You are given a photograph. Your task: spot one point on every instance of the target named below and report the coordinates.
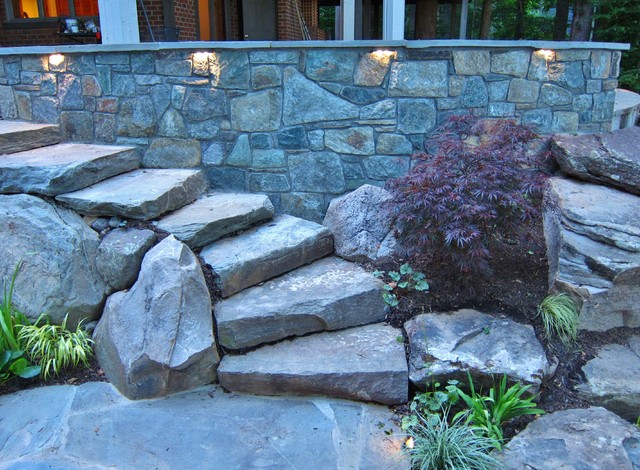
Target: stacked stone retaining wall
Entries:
(303, 122)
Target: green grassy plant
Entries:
(489, 413)
(434, 443)
(401, 282)
(55, 347)
(12, 360)
(560, 317)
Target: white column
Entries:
(348, 8)
(393, 20)
(119, 21)
(464, 13)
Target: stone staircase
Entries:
(294, 319)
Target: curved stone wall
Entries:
(303, 122)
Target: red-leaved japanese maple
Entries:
(480, 181)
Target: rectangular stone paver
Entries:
(142, 194)
(63, 168)
(267, 251)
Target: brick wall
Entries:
(186, 14)
(156, 20)
(289, 28)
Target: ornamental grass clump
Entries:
(434, 443)
(560, 318)
(479, 183)
(55, 347)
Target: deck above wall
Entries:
(303, 122)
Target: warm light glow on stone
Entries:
(56, 59)
(546, 54)
(383, 56)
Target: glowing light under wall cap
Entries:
(383, 56)
(201, 56)
(546, 54)
(56, 59)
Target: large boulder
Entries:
(446, 346)
(157, 338)
(593, 246)
(58, 275)
(575, 439)
(362, 226)
(612, 159)
(611, 379)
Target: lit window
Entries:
(38, 9)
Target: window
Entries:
(39, 9)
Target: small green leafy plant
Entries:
(400, 282)
(434, 443)
(431, 402)
(12, 360)
(55, 347)
(560, 317)
(488, 413)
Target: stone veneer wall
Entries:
(303, 122)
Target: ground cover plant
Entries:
(560, 317)
(30, 349)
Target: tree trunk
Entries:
(519, 34)
(562, 17)
(485, 26)
(426, 18)
(582, 18)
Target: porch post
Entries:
(119, 21)
(463, 19)
(348, 8)
(393, 20)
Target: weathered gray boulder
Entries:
(267, 251)
(364, 363)
(58, 274)
(611, 380)
(329, 294)
(215, 215)
(362, 226)
(445, 346)
(612, 159)
(157, 338)
(592, 438)
(120, 255)
(593, 246)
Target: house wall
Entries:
(303, 122)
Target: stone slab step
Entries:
(364, 363)
(63, 168)
(267, 251)
(329, 294)
(16, 136)
(141, 194)
(215, 215)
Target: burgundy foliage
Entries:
(480, 181)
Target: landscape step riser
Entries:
(63, 168)
(329, 294)
(21, 136)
